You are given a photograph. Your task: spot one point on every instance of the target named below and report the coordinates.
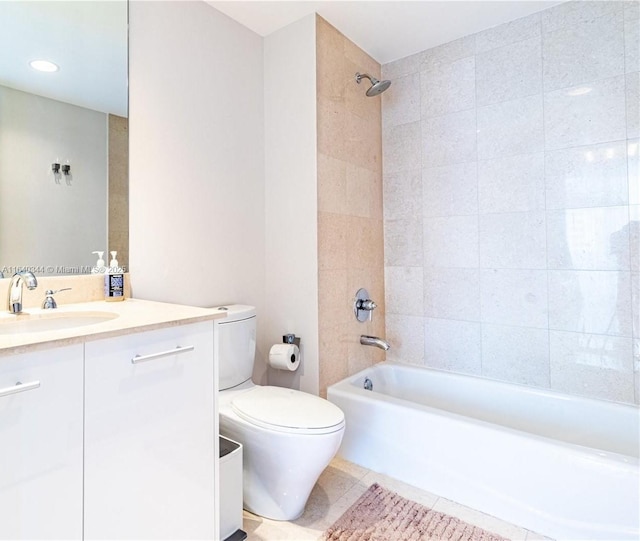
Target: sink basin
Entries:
(29, 323)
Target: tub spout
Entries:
(374, 341)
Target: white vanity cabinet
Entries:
(150, 435)
(41, 444)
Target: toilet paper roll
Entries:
(284, 357)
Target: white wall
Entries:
(45, 225)
(196, 146)
(291, 198)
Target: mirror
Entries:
(63, 135)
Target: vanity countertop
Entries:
(130, 316)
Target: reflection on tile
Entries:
(452, 345)
(509, 33)
(401, 146)
(589, 176)
(450, 190)
(511, 184)
(509, 72)
(403, 290)
(452, 293)
(584, 115)
(403, 242)
(583, 52)
(449, 139)
(402, 195)
(401, 103)
(513, 240)
(633, 104)
(451, 242)
(516, 354)
(590, 302)
(406, 336)
(511, 127)
(514, 297)
(448, 88)
(588, 239)
(592, 365)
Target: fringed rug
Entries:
(382, 515)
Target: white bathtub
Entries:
(563, 466)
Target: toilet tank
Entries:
(236, 345)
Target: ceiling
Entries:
(386, 30)
(87, 40)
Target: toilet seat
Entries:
(287, 410)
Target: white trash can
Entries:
(231, 491)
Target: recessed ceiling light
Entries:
(44, 65)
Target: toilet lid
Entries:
(278, 408)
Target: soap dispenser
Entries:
(113, 264)
(100, 267)
(114, 281)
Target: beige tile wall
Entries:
(350, 227)
(119, 188)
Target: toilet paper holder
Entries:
(291, 339)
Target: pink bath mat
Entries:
(382, 515)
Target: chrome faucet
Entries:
(14, 298)
(374, 341)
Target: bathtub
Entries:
(560, 465)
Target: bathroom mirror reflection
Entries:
(63, 135)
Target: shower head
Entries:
(377, 87)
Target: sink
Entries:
(41, 322)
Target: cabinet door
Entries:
(150, 443)
(41, 445)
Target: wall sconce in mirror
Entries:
(59, 170)
(55, 167)
(66, 171)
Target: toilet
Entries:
(288, 436)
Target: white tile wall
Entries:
(451, 241)
(510, 127)
(587, 176)
(450, 190)
(584, 51)
(512, 202)
(585, 114)
(516, 354)
(509, 72)
(449, 139)
(512, 184)
(451, 293)
(514, 297)
(453, 345)
(449, 88)
(513, 240)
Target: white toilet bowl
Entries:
(288, 436)
(281, 463)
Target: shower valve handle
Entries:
(365, 304)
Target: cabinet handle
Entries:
(153, 356)
(19, 388)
